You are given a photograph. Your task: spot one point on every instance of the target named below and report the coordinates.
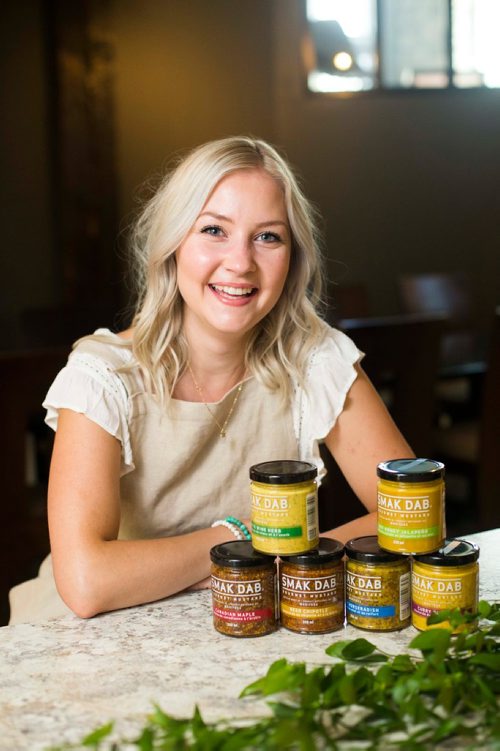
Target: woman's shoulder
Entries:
(334, 346)
(111, 349)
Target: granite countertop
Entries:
(65, 677)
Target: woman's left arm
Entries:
(364, 435)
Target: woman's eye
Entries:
(269, 237)
(212, 230)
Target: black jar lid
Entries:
(455, 552)
(327, 551)
(411, 470)
(367, 550)
(239, 554)
(283, 472)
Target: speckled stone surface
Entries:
(63, 678)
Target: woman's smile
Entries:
(233, 295)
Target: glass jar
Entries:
(377, 586)
(243, 585)
(284, 507)
(445, 580)
(312, 589)
(411, 517)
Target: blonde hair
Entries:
(280, 344)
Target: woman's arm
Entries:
(95, 572)
(364, 435)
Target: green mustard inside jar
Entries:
(284, 507)
(312, 589)
(244, 590)
(410, 505)
(378, 585)
(445, 580)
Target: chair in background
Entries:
(463, 345)
(401, 359)
(24, 454)
(470, 451)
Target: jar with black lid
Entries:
(243, 583)
(378, 586)
(284, 507)
(312, 589)
(445, 580)
(410, 505)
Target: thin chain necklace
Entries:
(223, 427)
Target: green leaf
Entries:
(403, 664)
(347, 690)
(356, 650)
(490, 661)
(94, 738)
(281, 676)
(435, 641)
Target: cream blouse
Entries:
(89, 385)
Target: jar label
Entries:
(371, 611)
(284, 518)
(433, 591)
(378, 602)
(410, 519)
(246, 616)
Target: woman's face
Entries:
(232, 266)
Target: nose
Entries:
(240, 256)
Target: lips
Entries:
(228, 291)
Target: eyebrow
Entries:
(223, 217)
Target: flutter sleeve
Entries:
(331, 373)
(90, 386)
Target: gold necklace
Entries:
(223, 427)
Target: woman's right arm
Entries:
(93, 570)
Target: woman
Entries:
(227, 364)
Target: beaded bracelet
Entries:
(231, 527)
(241, 525)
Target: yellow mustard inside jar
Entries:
(284, 507)
(377, 586)
(445, 580)
(410, 505)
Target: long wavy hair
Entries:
(278, 348)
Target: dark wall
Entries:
(27, 259)
(404, 181)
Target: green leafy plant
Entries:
(443, 693)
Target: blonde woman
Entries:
(227, 364)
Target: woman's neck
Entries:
(214, 368)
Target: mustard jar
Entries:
(445, 580)
(312, 589)
(284, 507)
(377, 586)
(410, 505)
(244, 586)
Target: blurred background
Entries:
(97, 96)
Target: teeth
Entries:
(233, 290)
